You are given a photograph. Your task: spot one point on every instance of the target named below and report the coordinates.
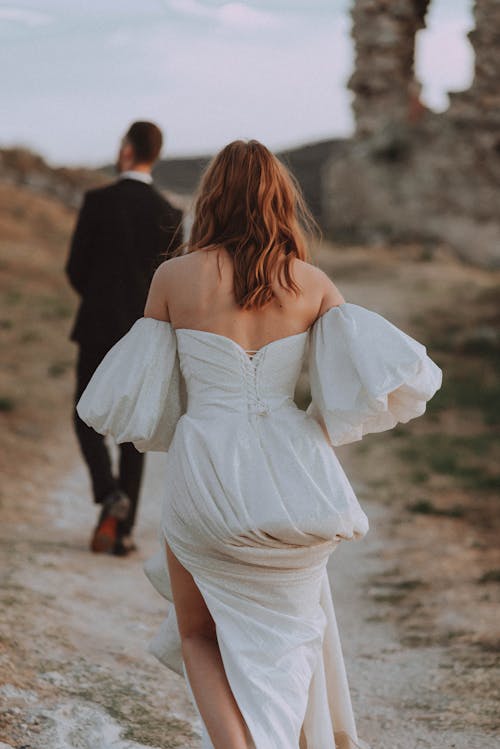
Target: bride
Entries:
(256, 500)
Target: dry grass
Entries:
(36, 307)
(439, 475)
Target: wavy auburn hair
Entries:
(249, 203)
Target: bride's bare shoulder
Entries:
(173, 270)
(174, 264)
(169, 279)
(182, 264)
(317, 285)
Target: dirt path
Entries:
(403, 697)
(80, 677)
(74, 627)
(79, 624)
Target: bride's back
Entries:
(200, 296)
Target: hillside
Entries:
(23, 168)
(178, 177)
(37, 215)
(181, 175)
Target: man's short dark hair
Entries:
(146, 139)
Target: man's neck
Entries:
(142, 168)
(135, 174)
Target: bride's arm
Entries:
(156, 303)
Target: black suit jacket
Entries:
(121, 233)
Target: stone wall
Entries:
(410, 174)
(384, 41)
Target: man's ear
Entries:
(128, 155)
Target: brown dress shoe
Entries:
(115, 508)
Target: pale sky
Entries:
(75, 73)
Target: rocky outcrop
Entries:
(409, 173)
(19, 166)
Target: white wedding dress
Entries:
(256, 499)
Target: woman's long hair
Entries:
(249, 203)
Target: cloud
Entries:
(233, 15)
(120, 38)
(241, 15)
(24, 16)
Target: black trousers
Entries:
(96, 453)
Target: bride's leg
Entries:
(203, 662)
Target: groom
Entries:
(121, 233)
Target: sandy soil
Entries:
(420, 632)
(75, 627)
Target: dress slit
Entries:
(266, 712)
(206, 741)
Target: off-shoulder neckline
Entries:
(250, 353)
(238, 345)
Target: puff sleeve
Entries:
(366, 375)
(136, 393)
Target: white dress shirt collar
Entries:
(139, 176)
